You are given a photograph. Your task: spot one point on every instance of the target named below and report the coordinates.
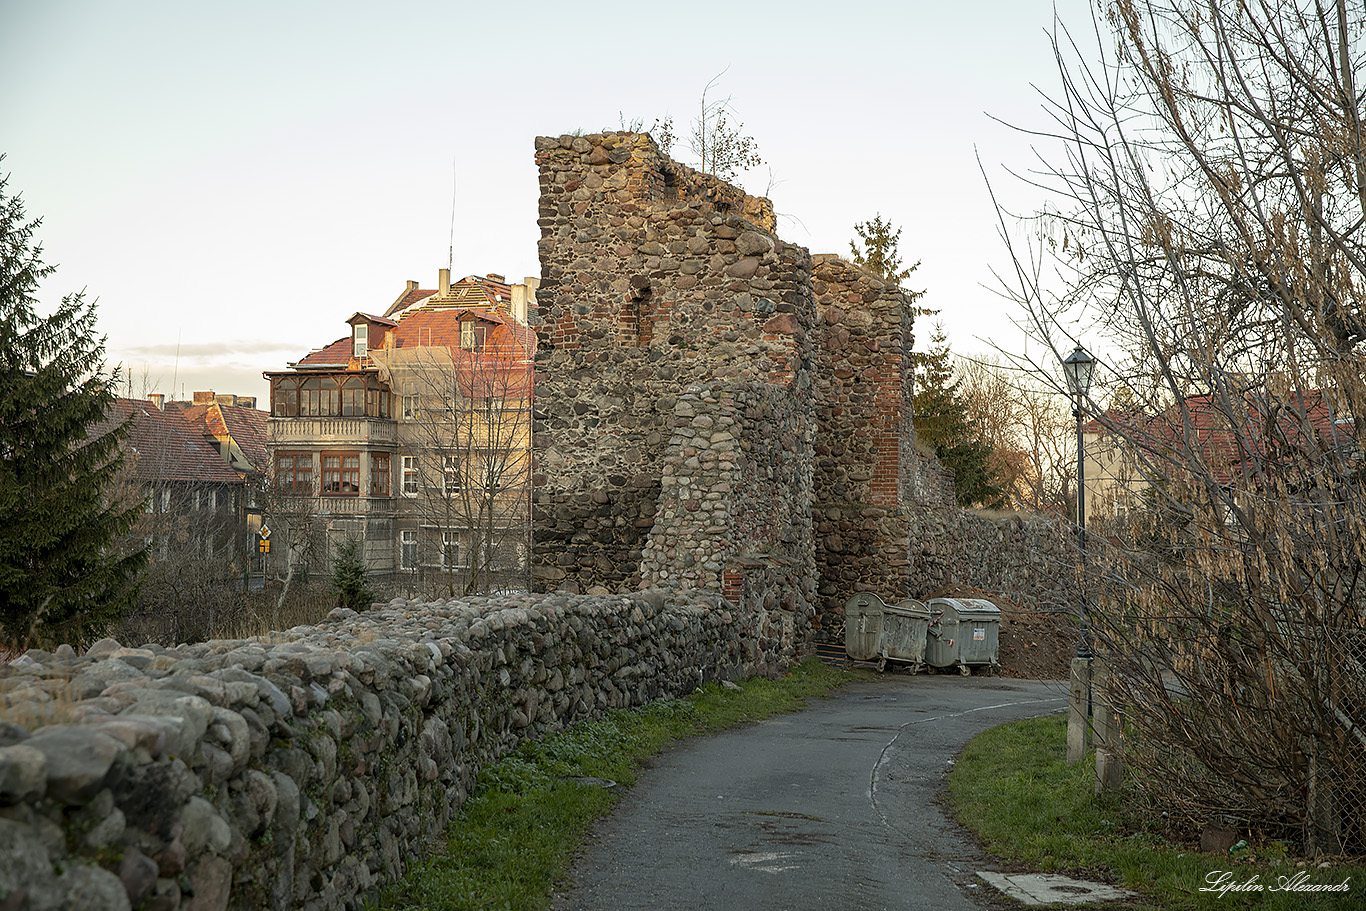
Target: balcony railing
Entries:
(333, 431)
(355, 505)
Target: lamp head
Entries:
(1079, 367)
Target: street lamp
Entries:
(1079, 367)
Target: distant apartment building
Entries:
(411, 434)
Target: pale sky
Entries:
(233, 180)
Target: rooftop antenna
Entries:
(450, 251)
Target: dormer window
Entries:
(467, 335)
(360, 335)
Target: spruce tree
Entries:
(941, 421)
(879, 254)
(67, 566)
(348, 577)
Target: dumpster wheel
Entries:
(965, 670)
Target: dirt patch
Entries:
(1036, 645)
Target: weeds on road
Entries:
(517, 834)
(1013, 787)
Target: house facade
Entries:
(1240, 441)
(410, 434)
(197, 508)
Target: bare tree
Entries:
(1028, 428)
(297, 539)
(466, 426)
(722, 149)
(1206, 234)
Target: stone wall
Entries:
(654, 278)
(734, 513)
(862, 389)
(1030, 560)
(300, 773)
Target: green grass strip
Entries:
(1014, 789)
(518, 832)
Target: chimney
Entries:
(445, 284)
(203, 398)
(158, 399)
(524, 298)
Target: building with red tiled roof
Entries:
(237, 432)
(1237, 442)
(196, 505)
(412, 433)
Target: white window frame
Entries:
(412, 403)
(467, 334)
(450, 550)
(407, 558)
(452, 482)
(412, 476)
(360, 339)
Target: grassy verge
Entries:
(1014, 788)
(517, 834)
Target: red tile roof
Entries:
(437, 323)
(339, 352)
(244, 426)
(165, 446)
(1228, 444)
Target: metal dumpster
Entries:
(863, 626)
(904, 627)
(963, 632)
(875, 631)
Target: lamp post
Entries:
(1079, 367)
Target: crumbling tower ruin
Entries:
(709, 412)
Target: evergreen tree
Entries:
(880, 256)
(67, 568)
(941, 421)
(348, 577)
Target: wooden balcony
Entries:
(332, 432)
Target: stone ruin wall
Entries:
(863, 405)
(270, 774)
(734, 510)
(1030, 560)
(658, 282)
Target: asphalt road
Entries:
(832, 807)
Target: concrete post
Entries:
(1322, 833)
(1109, 735)
(1079, 710)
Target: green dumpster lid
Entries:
(910, 606)
(966, 608)
(864, 602)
